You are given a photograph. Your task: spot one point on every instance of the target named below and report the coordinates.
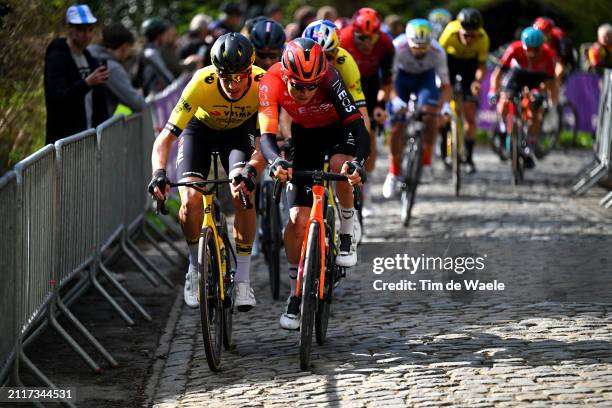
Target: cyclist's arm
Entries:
(495, 80)
(553, 90)
(268, 117)
(161, 149)
(191, 98)
(386, 64)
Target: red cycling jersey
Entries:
(381, 56)
(516, 57)
(331, 102)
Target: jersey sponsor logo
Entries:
(215, 113)
(341, 60)
(315, 109)
(182, 105)
(210, 79)
(343, 96)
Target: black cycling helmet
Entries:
(470, 19)
(232, 53)
(268, 34)
(153, 27)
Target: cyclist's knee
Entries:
(191, 206)
(297, 221)
(337, 160)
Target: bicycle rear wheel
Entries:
(272, 234)
(228, 304)
(457, 139)
(411, 169)
(324, 305)
(549, 135)
(517, 159)
(310, 278)
(209, 296)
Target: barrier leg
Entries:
(168, 240)
(41, 377)
(124, 292)
(86, 333)
(109, 298)
(606, 201)
(138, 264)
(148, 262)
(162, 251)
(75, 346)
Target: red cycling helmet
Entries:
(303, 61)
(544, 24)
(367, 21)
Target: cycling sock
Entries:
(193, 254)
(293, 273)
(469, 148)
(346, 220)
(427, 153)
(243, 263)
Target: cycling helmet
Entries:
(418, 32)
(470, 19)
(367, 21)
(544, 24)
(439, 16)
(153, 27)
(268, 34)
(232, 53)
(532, 38)
(324, 33)
(80, 15)
(303, 61)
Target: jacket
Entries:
(65, 92)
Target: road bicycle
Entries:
(455, 149)
(216, 258)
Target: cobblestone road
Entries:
(545, 340)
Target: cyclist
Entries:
(439, 18)
(556, 39)
(268, 38)
(373, 51)
(467, 46)
(324, 119)
(217, 110)
(418, 59)
(526, 63)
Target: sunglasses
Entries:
(270, 55)
(366, 38)
(469, 34)
(234, 77)
(301, 87)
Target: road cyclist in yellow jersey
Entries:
(467, 48)
(217, 111)
(325, 33)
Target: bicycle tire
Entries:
(517, 160)
(228, 305)
(497, 141)
(549, 136)
(272, 236)
(324, 305)
(411, 169)
(310, 278)
(358, 204)
(456, 127)
(211, 307)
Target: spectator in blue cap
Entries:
(74, 96)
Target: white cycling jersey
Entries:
(434, 59)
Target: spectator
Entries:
(230, 22)
(301, 18)
(153, 73)
(194, 47)
(327, 13)
(74, 96)
(169, 51)
(393, 25)
(274, 12)
(117, 42)
(600, 52)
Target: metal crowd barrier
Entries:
(9, 293)
(67, 206)
(602, 164)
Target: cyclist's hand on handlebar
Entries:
(159, 185)
(355, 172)
(246, 179)
(281, 169)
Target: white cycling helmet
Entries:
(324, 33)
(418, 32)
(79, 15)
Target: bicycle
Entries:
(318, 273)
(517, 128)
(454, 143)
(412, 157)
(215, 271)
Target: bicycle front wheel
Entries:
(310, 279)
(324, 305)
(209, 296)
(457, 139)
(411, 169)
(517, 159)
(272, 235)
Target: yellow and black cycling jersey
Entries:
(204, 98)
(450, 41)
(349, 71)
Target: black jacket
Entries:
(65, 92)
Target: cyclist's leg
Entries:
(193, 162)
(428, 95)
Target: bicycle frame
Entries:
(209, 221)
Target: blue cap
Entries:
(80, 14)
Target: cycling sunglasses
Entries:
(300, 87)
(469, 34)
(234, 77)
(366, 38)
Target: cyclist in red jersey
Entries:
(324, 119)
(373, 52)
(556, 39)
(526, 63)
